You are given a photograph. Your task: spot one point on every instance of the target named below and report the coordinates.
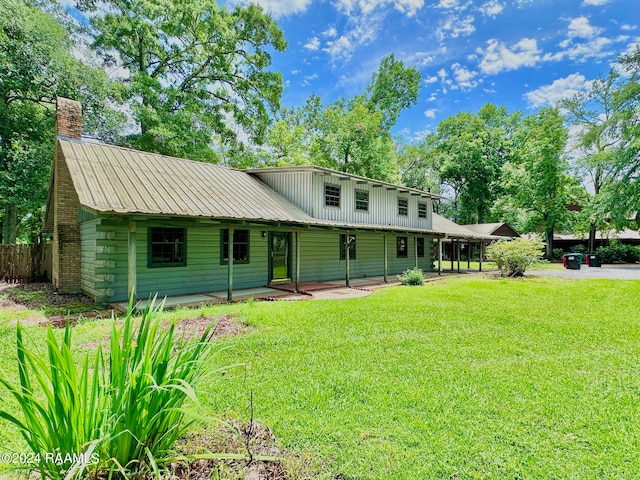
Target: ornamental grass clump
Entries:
(513, 257)
(117, 417)
(414, 276)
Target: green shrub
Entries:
(557, 253)
(579, 248)
(619, 252)
(128, 414)
(513, 257)
(414, 276)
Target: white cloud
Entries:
(330, 32)
(279, 8)
(430, 80)
(340, 48)
(313, 44)
(581, 28)
(454, 27)
(447, 4)
(430, 113)
(596, 48)
(558, 90)
(464, 77)
(595, 3)
(418, 58)
(628, 28)
(497, 57)
(408, 7)
(295, 72)
(491, 8)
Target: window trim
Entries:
(406, 247)
(223, 249)
(406, 201)
(365, 192)
(338, 187)
(422, 204)
(150, 243)
(343, 247)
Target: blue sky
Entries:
(522, 54)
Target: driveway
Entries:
(618, 272)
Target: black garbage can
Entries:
(572, 261)
(593, 260)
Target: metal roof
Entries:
(111, 179)
(120, 180)
(345, 175)
(453, 230)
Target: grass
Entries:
(468, 378)
(465, 378)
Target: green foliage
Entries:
(414, 276)
(537, 178)
(557, 253)
(513, 257)
(350, 135)
(470, 150)
(619, 253)
(128, 413)
(36, 65)
(198, 71)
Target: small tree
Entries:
(513, 257)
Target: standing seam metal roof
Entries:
(111, 179)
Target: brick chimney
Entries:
(66, 261)
(68, 118)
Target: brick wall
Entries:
(66, 231)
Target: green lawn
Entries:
(466, 378)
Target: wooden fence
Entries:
(25, 263)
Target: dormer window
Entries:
(331, 195)
(403, 207)
(422, 210)
(362, 200)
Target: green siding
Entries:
(105, 259)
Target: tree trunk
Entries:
(548, 236)
(10, 224)
(592, 238)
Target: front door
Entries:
(280, 257)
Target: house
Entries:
(125, 221)
(500, 229)
(568, 242)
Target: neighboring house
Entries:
(500, 229)
(568, 241)
(128, 221)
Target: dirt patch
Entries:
(42, 296)
(223, 326)
(254, 442)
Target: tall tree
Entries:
(195, 71)
(597, 112)
(351, 135)
(472, 149)
(36, 65)
(537, 177)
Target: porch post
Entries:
(347, 251)
(132, 259)
(297, 285)
(453, 254)
(386, 277)
(458, 253)
(439, 256)
(480, 261)
(469, 254)
(230, 266)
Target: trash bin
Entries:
(594, 260)
(572, 261)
